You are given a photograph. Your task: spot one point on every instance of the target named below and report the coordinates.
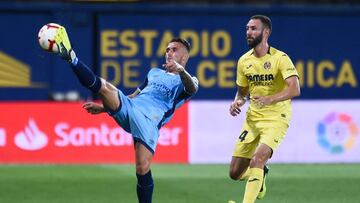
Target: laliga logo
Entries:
(31, 138)
(337, 132)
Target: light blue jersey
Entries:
(161, 94)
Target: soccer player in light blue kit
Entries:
(146, 110)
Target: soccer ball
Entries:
(46, 37)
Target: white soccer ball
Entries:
(46, 37)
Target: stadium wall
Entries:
(122, 41)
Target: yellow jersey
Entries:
(266, 76)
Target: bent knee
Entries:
(109, 95)
(106, 88)
(234, 174)
(142, 168)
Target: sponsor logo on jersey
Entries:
(260, 77)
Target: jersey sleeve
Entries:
(287, 67)
(241, 79)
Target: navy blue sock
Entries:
(86, 76)
(145, 187)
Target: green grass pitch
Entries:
(175, 184)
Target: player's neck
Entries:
(261, 50)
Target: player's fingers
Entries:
(92, 111)
(87, 104)
(172, 63)
(232, 106)
(234, 110)
(234, 113)
(167, 66)
(231, 109)
(238, 104)
(95, 111)
(90, 107)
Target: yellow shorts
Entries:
(266, 132)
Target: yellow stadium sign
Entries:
(15, 74)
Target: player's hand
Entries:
(235, 107)
(173, 67)
(261, 101)
(93, 108)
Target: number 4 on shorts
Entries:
(243, 135)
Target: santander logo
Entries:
(106, 136)
(31, 138)
(2, 137)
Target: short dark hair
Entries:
(183, 42)
(264, 20)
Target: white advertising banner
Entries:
(212, 131)
(319, 132)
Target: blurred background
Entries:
(42, 122)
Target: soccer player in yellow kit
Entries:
(269, 77)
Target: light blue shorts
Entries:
(136, 123)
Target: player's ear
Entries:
(267, 31)
(184, 59)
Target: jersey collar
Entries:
(270, 51)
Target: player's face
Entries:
(254, 32)
(175, 51)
